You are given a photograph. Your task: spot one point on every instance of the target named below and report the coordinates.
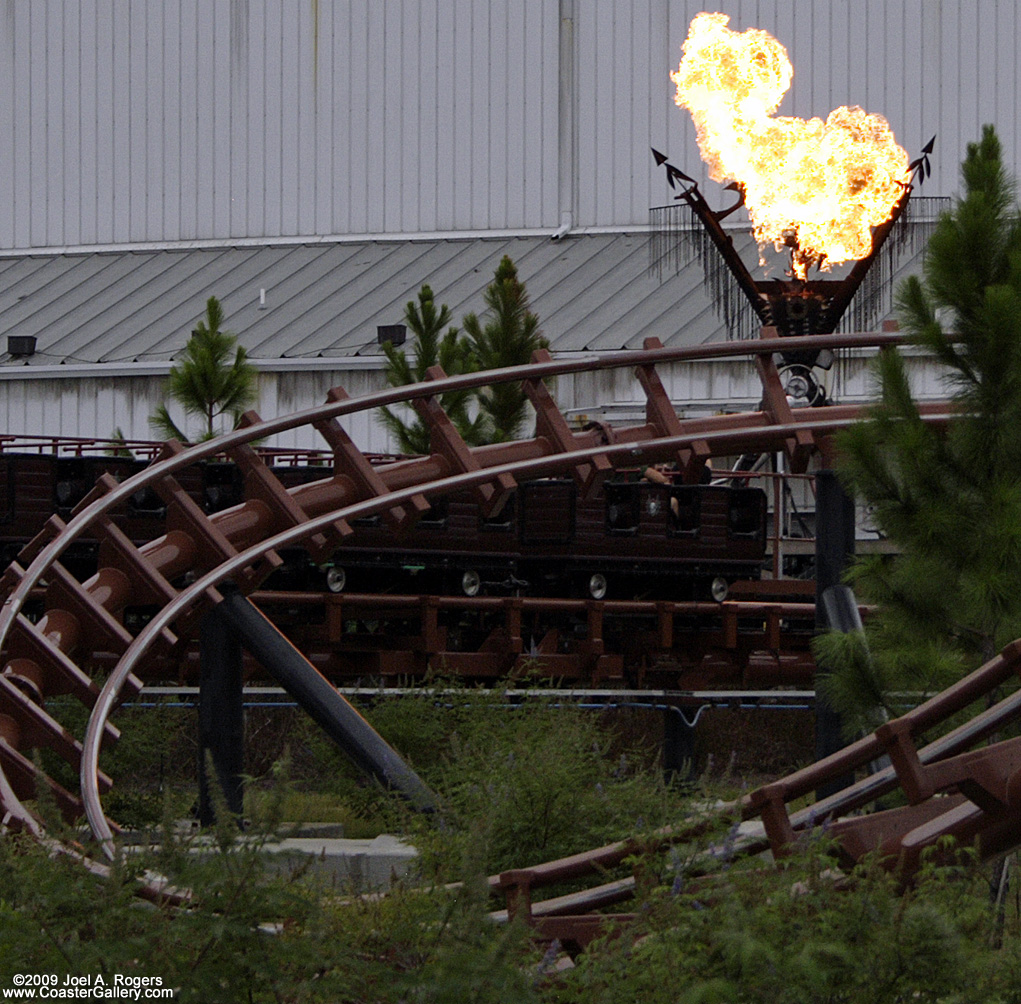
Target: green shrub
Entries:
(801, 934)
(524, 782)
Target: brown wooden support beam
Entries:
(883, 831)
(665, 624)
(59, 674)
(10, 728)
(431, 639)
(118, 552)
(773, 628)
(593, 646)
(512, 606)
(985, 776)
(60, 628)
(827, 448)
(65, 591)
(351, 463)
(334, 617)
(595, 625)
(261, 484)
(517, 885)
(26, 780)
(447, 442)
(69, 610)
(185, 516)
(27, 677)
(552, 426)
(121, 563)
(37, 728)
(660, 414)
(729, 617)
(768, 801)
(896, 738)
(963, 822)
(51, 528)
(13, 574)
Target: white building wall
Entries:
(179, 120)
(97, 406)
(94, 406)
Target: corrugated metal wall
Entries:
(95, 406)
(153, 120)
(168, 120)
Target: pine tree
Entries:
(432, 347)
(508, 338)
(950, 499)
(207, 382)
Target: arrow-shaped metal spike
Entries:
(921, 164)
(672, 173)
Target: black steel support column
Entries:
(834, 544)
(678, 747)
(221, 717)
(330, 710)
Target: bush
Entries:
(523, 782)
(803, 934)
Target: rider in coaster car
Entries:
(657, 477)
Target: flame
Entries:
(815, 187)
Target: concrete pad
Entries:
(360, 864)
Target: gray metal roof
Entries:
(590, 291)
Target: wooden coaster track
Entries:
(180, 573)
(685, 644)
(953, 786)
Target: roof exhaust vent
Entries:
(395, 333)
(21, 345)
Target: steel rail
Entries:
(645, 608)
(653, 448)
(514, 693)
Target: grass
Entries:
(315, 807)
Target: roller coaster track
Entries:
(953, 789)
(182, 575)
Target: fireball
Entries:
(815, 187)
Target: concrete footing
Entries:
(362, 865)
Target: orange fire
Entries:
(815, 187)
